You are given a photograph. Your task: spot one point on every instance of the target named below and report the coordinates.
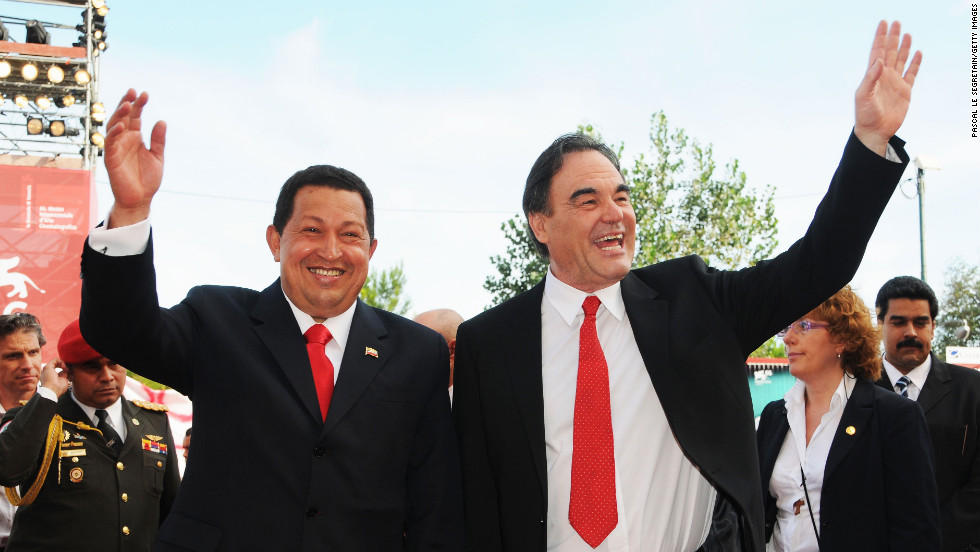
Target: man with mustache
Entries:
(948, 394)
(97, 472)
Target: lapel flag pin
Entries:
(368, 351)
(850, 430)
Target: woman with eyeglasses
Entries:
(846, 465)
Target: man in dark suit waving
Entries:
(349, 402)
(607, 408)
(948, 394)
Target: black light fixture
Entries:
(4, 33)
(35, 126)
(36, 33)
(56, 128)
(67, 100)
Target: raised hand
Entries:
(882, 99)
(54, 379)
(135, 171)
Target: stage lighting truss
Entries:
(49, 92)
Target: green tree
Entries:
(773, 348)
(684, 205)
(383, 289)
(961, 301)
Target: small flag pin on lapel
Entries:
(850, 430)
(368, 351)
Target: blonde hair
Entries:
(849, 322)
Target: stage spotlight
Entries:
(5, 69)
(98, 112)
(102, 11)
(56, 74)
(29, 71)
(21, 101)
(97, 4)
(98, 140)
(36, 33)
(82, 76)
(35, 126)
(43, 102)
(56, 128)
(67, 100)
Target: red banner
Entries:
(45, 215)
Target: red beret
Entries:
(72, 348)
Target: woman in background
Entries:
(846, 465)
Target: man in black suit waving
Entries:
(349, 402)
(948, 394)
(607, 408)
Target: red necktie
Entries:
(592, 506)
(316, 340)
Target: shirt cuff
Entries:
(122, 241)
(47, 394)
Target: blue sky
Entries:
(442, 108)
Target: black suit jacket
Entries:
(694, 326)
(878, 491)
(950, 399)
(87, 502)
(266, 473)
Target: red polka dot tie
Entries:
(316, 340)
(592, 506)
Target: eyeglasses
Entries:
(802, 327)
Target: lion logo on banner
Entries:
(18, 283)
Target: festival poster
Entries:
(45, 215)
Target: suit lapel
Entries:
(523, 358)
(857, 414)
(276, 327)
(133, 418)
(648, 317)
(937, 385)
(357, 368)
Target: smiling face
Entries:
(97, 383)
(907, 332)
(323, 251)
(20, 364)
(813, 354)
(591, 229)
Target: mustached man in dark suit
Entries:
(319, 423)
(948, 394)
(647, 366)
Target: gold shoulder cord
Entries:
(51, 445)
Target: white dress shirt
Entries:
(663, 501)
(916, 375)
(795, 532)
(114, 417)
(133, 239)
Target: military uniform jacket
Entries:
(91, 500)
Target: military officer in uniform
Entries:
(96, 471)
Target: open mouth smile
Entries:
(610, 243)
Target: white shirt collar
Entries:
(794, 397)
(568, 300)
(114, 411)
(339, 325)
(918, 374)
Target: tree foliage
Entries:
(772, 348)
(684, 205)
(961, 301)
(383, 289)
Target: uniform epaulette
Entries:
(151, 406)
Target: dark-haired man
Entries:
(358, 450)
(109, 476)
(948, 394)
(21, 340)
(645, 367)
